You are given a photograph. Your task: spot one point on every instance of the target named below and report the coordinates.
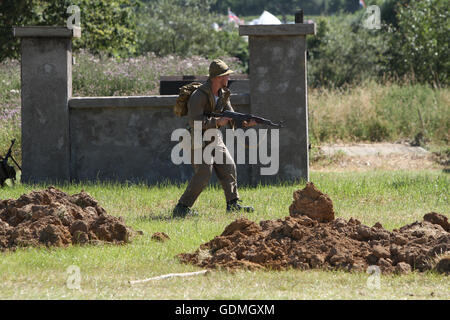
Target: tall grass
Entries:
(10, 106)
(380, 112)
(104, 76)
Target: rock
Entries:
(83, 200)
(79, 225)
(402, 268)
(55, 235)
(160, 236)
(372, 259)
(364, 232)
(339, 223)
(439, 249)
(5, 231)
(354, 222)
(306, 221)
(80, 237)
(399, 240)
(296, 234)
(110, 229)
(381, 252)
(377, 226)
(443, 265)
(438, 219)
(337, 259)
(384, 263)
(316, 261)
(243, 225)
(311, 202)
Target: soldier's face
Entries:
(223, 80)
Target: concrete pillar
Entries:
(46, 79)
(278, 91)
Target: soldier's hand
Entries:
(250, 123)
(222, 121)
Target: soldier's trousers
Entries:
(226, 173)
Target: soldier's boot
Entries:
(181, 211)
(233, 206)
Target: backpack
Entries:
(180, 109)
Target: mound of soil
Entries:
(308, 239)
(160, 236)
(303, 243)
(53, 218)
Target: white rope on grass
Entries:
(170, 275)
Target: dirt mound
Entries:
(53, 218)
(311, 202)
(302, 241)
(160, 236)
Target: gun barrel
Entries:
(8, 153)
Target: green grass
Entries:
(393, 198)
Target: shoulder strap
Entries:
(208, 93)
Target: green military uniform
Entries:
(202, 100)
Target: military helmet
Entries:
(218, 68)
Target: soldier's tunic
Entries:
(202, 100)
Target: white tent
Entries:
(266, 18)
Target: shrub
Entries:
(107, 25)
(377, 131)
(343, 52)
(100, 75)
(419, 43)
(185, 28)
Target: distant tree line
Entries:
(412, 42)
(108, 25)
(285, 7)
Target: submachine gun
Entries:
(239, 118)
(7, 171)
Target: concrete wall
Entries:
(46, 75)
(278, 90)
(128, 138)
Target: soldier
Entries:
(213, 96)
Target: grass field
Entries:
(368, 112)
(394, 198)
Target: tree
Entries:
(107, 26)
(342, 52)
(13, 13)
(184, 27)
(284, 7)
(256, 7)
(420, 43)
